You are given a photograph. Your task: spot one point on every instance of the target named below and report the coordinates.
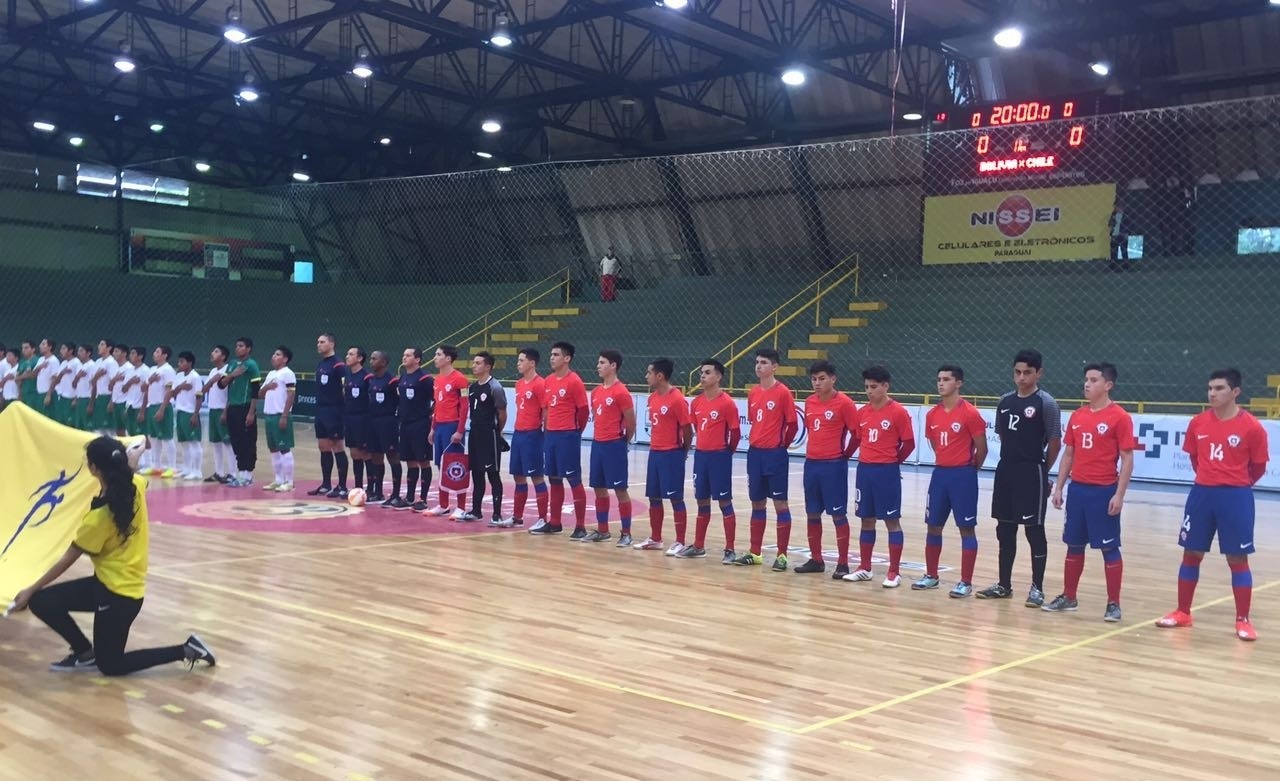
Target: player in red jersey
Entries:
(615, 427)
(718, 430)
(564, 416)
(771, 414)
(831, 419)
(670, 434)
(526, 440)
(958, 434)
(449, 424)
(1228, 451)
(1098, 435)
(887, 437)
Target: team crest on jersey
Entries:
(1233, 440)
(715, 414)
(956, 427)
(324, 379)
(884, 424)
(408, 393)
(484, 397)
(663, 409)
(379, 397)
(828, 414)
(355, 392)
(528, 394)
(1102, 428)
(769, 405)
(560, 393)
(608, 402)
(1029, 412)
(448, 388)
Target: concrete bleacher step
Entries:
(562, 311)
(502, 349)
(520, 337)
(785, 370)
(868, 306)
(803, 354)
(535, 325)
(847, 322)
(819, 337)
(1273, 381)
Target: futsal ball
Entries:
(356, 497)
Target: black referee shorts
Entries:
(1021, 493)
(483, 449)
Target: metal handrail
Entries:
(487, 320)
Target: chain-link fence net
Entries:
(1148, 239)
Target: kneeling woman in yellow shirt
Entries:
(114, 534)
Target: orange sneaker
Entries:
(1245, 630)
(1175, 619)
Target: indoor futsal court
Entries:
(371, 644)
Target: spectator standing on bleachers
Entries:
(609, 276)
(1119, 233)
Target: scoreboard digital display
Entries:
(1025, 137)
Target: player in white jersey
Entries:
(83, 388)
(47, 365)
(117, 409)
(278, 392)
(185, 393)
(9, 385)
(159, 418)
(106, 367)
(136, 402)
(224, 462)
(64, 388)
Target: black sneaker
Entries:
(396, 503)
(224, 479)
(418, 506)
(841, 571)
(578, 533)
(213, 479)
(391, 502)
(338, 493)
(547, 529)
(320, 490)
(194, 650)
(73, 662)
(598, 536)
(812, 565)
(374, 498)
(995, 591)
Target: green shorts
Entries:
(101, 418)
(217, 429)
(131, 425)
(33, 400)
(48, 405)
(80, 415)
(185, 431)
(163, 429)
(278, 441)
(120, 417)
(62, 411)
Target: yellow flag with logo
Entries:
(44, 495)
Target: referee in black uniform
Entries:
(1029, 425)
(485, 445)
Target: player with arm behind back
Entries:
(771, 413)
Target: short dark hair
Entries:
(664, 366)
(449, 350)
(822, 367)
(245, 340)
(1233, 377)
(331, 337)
(1108, 371)
(417, 353)
(360, 353)
(188, 356)
(286, 352)
(612, 356)
(141, 351)
(166, 349)
(87, 348)
(110, 344)
(955, 370)
(565, 348)
(531, 353)
(26, 342)
(877, 374)
(222, 348)
(713, 363)
(121, 346)
(486, 357)
(69, 345)
(769, 354)
(14, 351)
(1030, 357)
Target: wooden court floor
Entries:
(504, 656)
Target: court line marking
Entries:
(479, 653)
(990, 671)
(319, 551)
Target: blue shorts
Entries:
(383, 434)
(953, 490)
(328, 422)
(826, 486)
(1087, 519)
(562, 454)
(526, 453)
(444, 433)
(665, 479)
(414, 446)
(879, 491)
(767, 474)
(1226, 510)
(355, 428)
(713, 475)
(609, 465)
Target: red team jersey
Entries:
(1098, 436)
(530, 398)
(451, 394)
(713, 420)
(769, 412)
(565, 396)
(607, 407)
(881, 431)
(1225, 448)
(830, 423)
(953, 434)
(668, 415)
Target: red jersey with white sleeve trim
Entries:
(713, 419)
(451, 397)
(565, 395)
(881, 431)
(768, 412)
(1225, 448)
(530, 398)
(830, 424)
(668, 415)
(607, 407)
(1098, 437)
(953, 434)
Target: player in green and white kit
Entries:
(159, 419)
(64, 388)
(224, 460)
(186, 393)
(278, 392)
(82, 388)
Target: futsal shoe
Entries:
(1245, 630)
(398, 503)
(892, 580)
(320, 490)
(270, 486)
(338, 493)
(691, 552)
(284, 488)
(648, 544)
(598, 536)
(1061, 604)
(1175, 620)
(624, 540)
(675, 548)
(538, 524)
(390, 503)
(466, 517)
(749, 559)
(961, 590)
(1035, 598)
(73, 662)
(438, 511)
(579, 533)
(995, 591)
(925, 583)
(419, 507)
(548, 529)
(728, 558)
(841, 571)
(194, 650)
(1112, 614)
(780, 563)
(858, 576)
(811, 566)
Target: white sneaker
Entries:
(675, 548)
(439, 511)
(284, 488)
(858, 575)
(892, 582)
(462, 517)
(271, 487)
(538, 525)
(503, 523)
(649, 544)
(197, 476)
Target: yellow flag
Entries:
(45, 492)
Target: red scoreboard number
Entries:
(1017, 113)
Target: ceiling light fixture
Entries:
(1008, 38)
(362, 69)
(793, 77)
(501, 31)
(233, 32)
(491, 126)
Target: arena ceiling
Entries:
(580, 78)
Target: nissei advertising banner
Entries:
(1057, 223)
